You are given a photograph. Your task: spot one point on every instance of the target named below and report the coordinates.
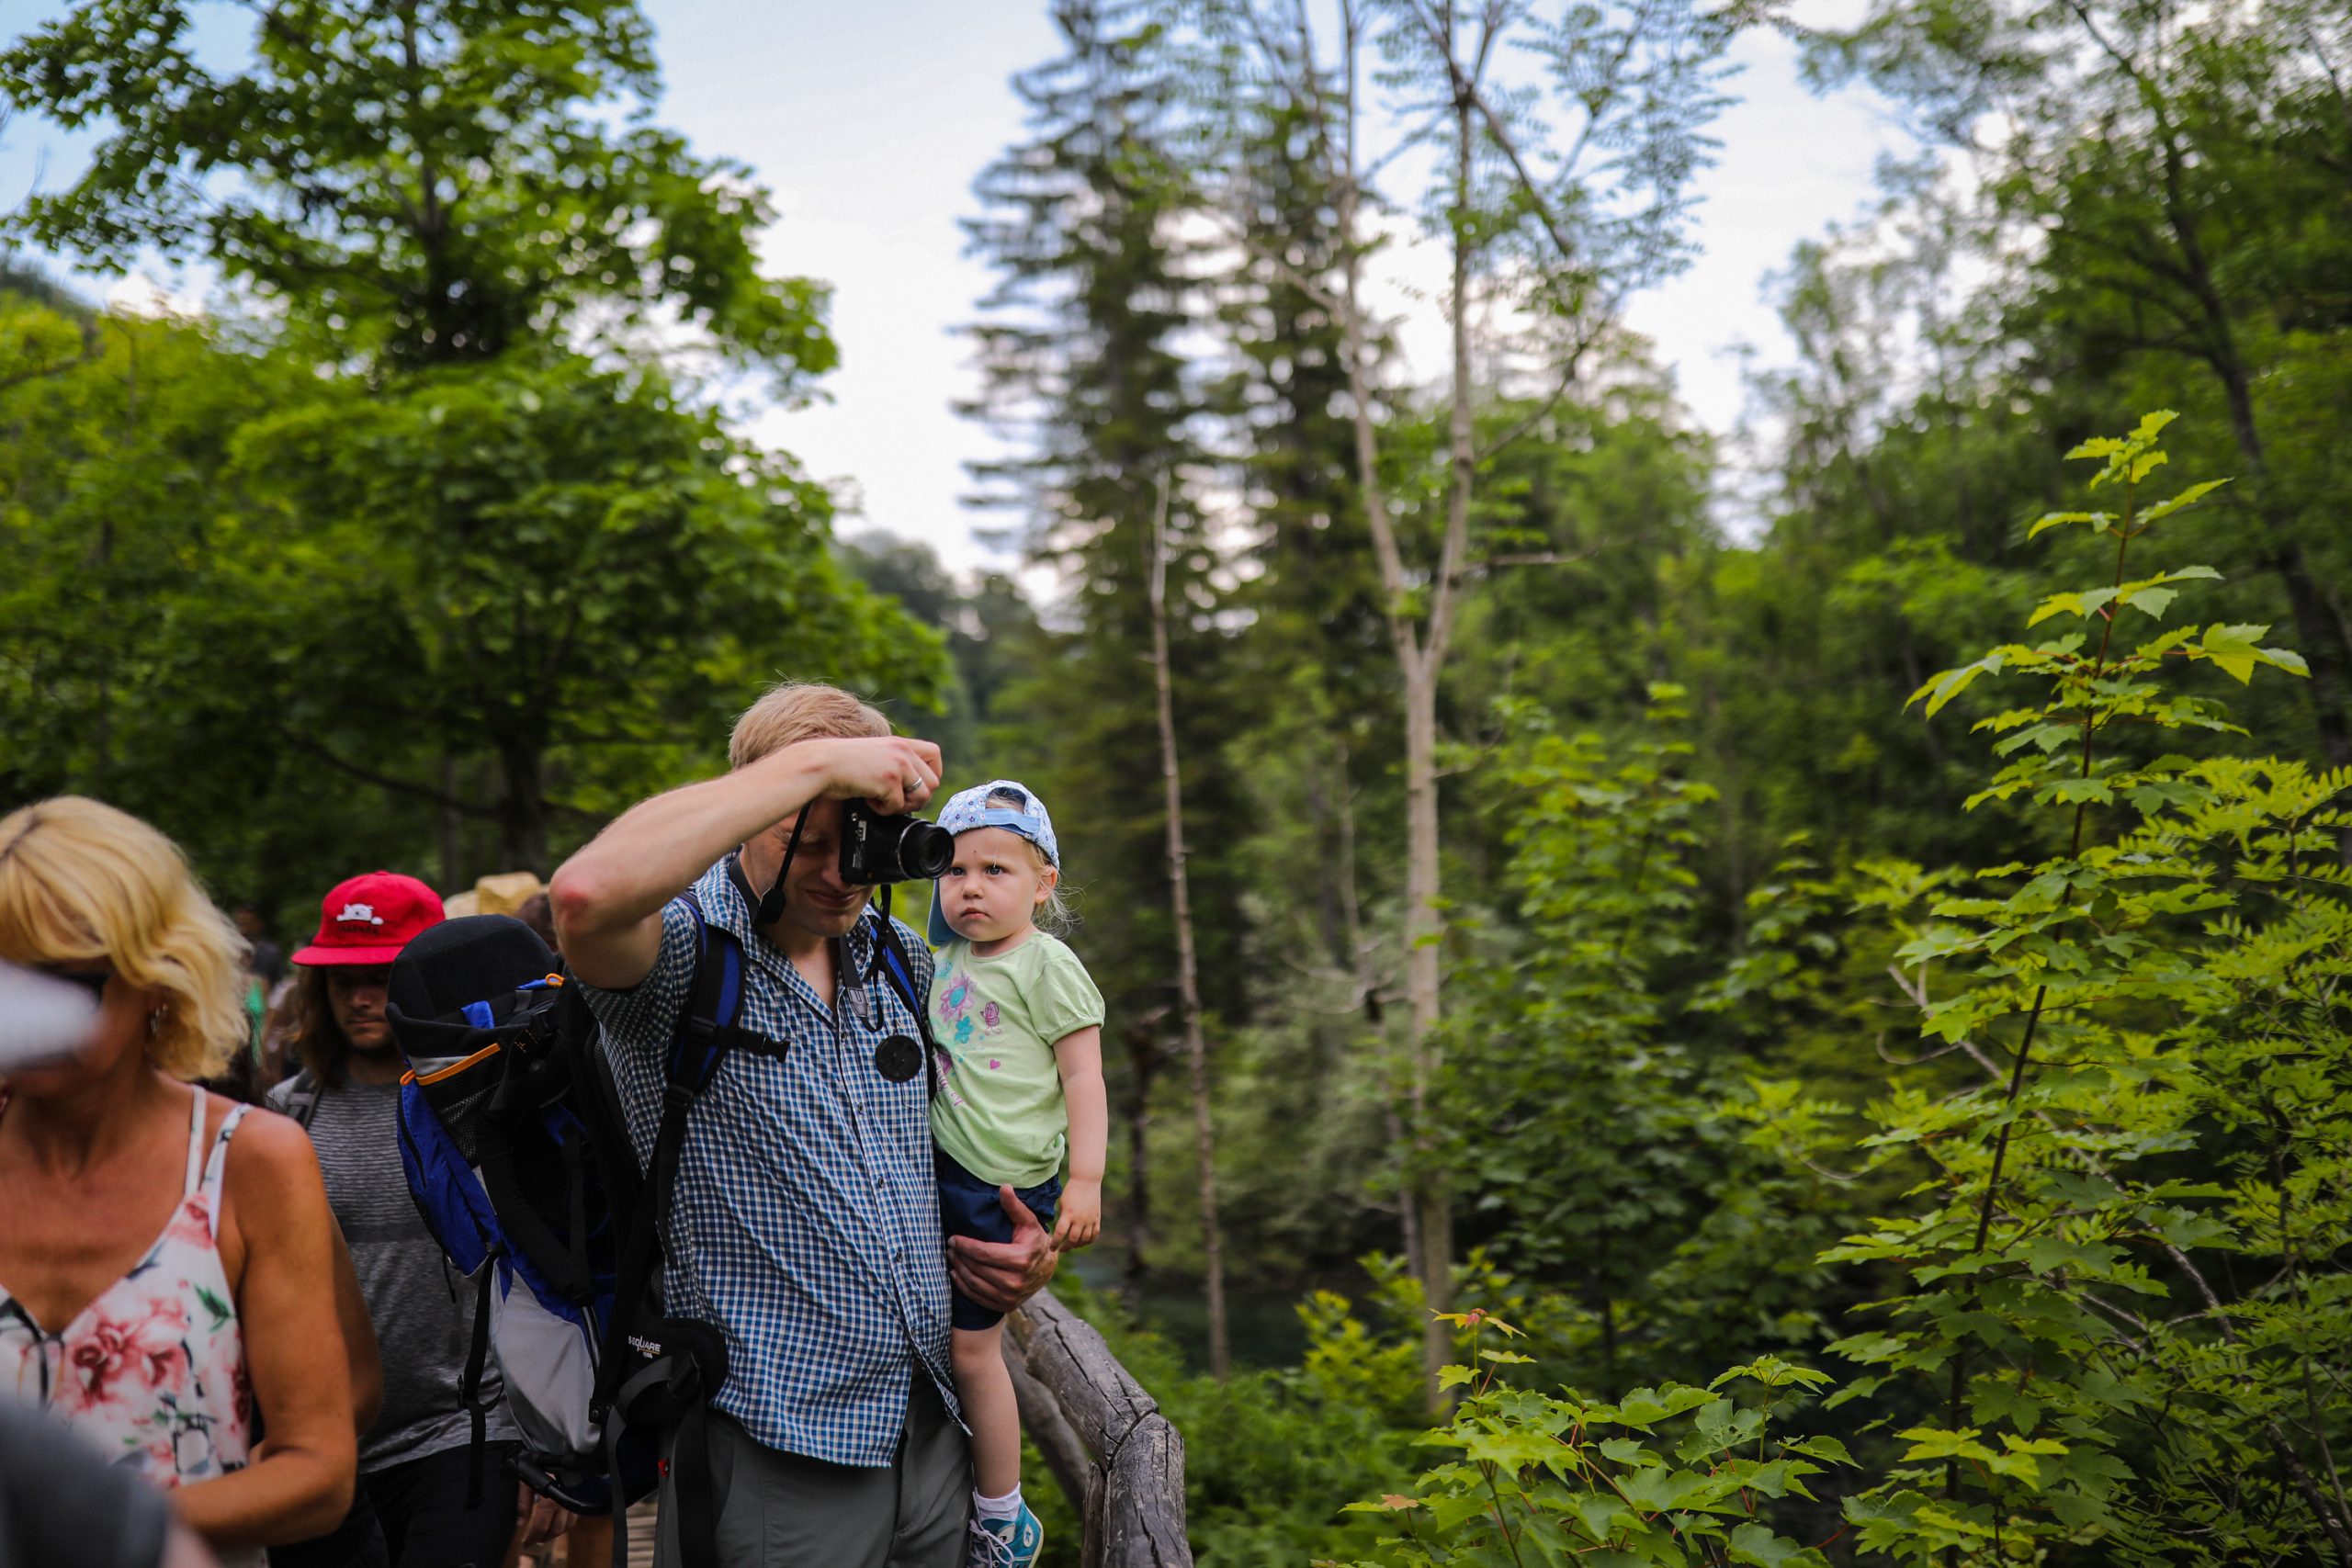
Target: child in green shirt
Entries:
(1018, 1025)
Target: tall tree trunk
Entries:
(2283, 552)
(522, 807)
(1425, 920)
(453, 826)
(1426, 1191)
(1188, 984)
(1421, 647)
(2320, 642)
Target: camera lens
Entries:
(926, 850)
(877, 849)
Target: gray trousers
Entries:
(780, 1510)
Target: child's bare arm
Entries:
(1079, 1053)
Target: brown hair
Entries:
(792, 711)
(538, 913)
(80, 880)
(311, 1032)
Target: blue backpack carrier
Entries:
(519, 1159)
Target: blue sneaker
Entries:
(1005, 1544)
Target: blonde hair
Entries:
(80, 880)
(792, 711)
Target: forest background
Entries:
(1584, 931)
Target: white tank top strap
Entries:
(195, 1141)
(219, 1163)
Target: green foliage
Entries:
(1083, 365)
(430, 551)
(1563, 1089)
(424, 183)
(554, 524)
(340, 587)
(2119, 1318)
(1272, 1455)
(2178, 167)
(1605, 1137)
(1670, 1474)
(408, 542)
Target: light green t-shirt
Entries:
(1000, 1114)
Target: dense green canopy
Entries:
(1893, 1066)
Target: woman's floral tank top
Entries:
(153, 1371)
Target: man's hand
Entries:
(537, 1519)
(896, 772)
(608, 898)
(1001, 1275)
(1079, 1220)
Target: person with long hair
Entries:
(169, 1265)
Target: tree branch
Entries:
(310, 748)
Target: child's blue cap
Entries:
(999, 803)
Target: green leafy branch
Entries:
(1670, 1474)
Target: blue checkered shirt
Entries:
(805, 1223)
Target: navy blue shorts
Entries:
(969, 1206)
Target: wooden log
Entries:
(1126, 1458)
(1042, 1420)
(1065, 1353)
(1143, 1501)
(1089, 1549)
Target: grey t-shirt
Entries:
(424, 1310)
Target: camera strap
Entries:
(889, 960)
(771, 908)
(897, 971)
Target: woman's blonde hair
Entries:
(80, 881)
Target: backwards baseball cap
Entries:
(999, 803)
(368, 920)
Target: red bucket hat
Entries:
(369, 919)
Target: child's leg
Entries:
(985, 1387)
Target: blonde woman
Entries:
(170, 1273)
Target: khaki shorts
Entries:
(780, 1510)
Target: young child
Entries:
(1018, 1030)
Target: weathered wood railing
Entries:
(1117, 1457)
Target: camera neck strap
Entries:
(771, 908)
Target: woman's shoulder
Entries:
(273, 1197)
(266, 1148)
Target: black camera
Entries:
(877, 849)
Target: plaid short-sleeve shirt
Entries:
(805, 1223)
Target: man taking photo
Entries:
(804, 1221)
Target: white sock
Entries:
(1005, 1507)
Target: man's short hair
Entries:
(792, 711)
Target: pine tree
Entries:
(1084, 370)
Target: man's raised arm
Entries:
(607, 898)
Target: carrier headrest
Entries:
(475, 958)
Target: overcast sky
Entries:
(869, 122)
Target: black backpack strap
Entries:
(302, 1098)
(706, 1031)
(713, 1001)
(469, 1385)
